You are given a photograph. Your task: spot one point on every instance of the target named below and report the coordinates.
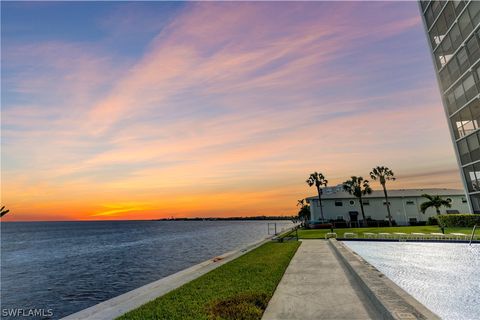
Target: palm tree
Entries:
(318, 180)
(434, 201)
(358, 187)
(3, 212)
(382, 174)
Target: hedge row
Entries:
(458, 220)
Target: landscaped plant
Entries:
(435, 202)
(358, 187)
(383, 174)
(432, 221)
(458, 220)
(304, 212)
(318, 180)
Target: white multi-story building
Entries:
(453, 30)
(404, 205)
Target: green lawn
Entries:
(239, 289)
(320, 233)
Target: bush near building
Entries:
(458, 220)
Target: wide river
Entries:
(69, 266)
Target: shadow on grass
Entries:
(240, 307)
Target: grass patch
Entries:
(239, 289)
(320, 233)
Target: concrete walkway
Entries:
(315, 286)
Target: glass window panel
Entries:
(453, 69)
(465, 114)
(457, 126)
(475, 200)
(458, 6)
(459, 95)
(434, 37)
(474, 147)
(451, 103)
(455, 37)
(473, 49)
(474, 10)
(469, 87)
(477, 175)
(447, 50)
(464, 151)
(429, 17)
(449, 14)
(436, 8)
(445, 78)
(441, 25)
(468, 127)
(462, 60)
(475, 110)
(469, 173)
(465, 24)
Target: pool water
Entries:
(445, 277)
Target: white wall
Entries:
(401, 208)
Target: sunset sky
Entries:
(147, 110)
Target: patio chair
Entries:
(418, 235)
(384, 235)
(369, 235)
(347, 235)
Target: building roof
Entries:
(400, 193)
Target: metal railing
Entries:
(473, 234)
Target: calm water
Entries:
(69, 266)
(445, 277)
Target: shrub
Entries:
(432, 221)
(458, 220)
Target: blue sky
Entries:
(172, 108)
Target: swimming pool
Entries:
(445, 277)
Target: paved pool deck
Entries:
(326, 280)
(316, 286)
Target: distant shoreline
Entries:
(228, 218)
(256, 218)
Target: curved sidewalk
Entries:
(316, 286)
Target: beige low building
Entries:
(404, 205)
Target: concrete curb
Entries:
(117, 306)
(391, 301)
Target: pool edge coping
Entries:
(390, 300)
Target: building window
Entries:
(410, 202)
(340, 218)
(385, 203)
(366, 202)
(472, 176)
(352, 202)
(475, 200)
(474, 147)
(464, 200)
(463, 151)
(338, 204)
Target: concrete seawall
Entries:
(117, 306)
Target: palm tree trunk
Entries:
(363, 212)
(320, 202)
(388, 205)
